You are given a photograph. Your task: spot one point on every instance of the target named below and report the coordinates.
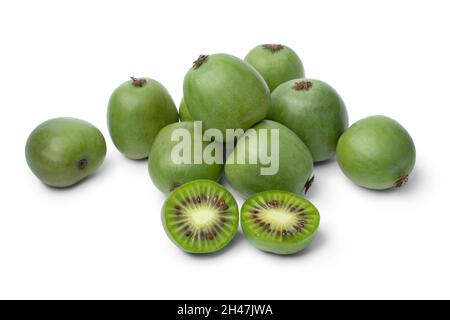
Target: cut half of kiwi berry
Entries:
(201, 216)
(280, 222)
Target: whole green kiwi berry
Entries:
(290, 166)
(224, 92)
(376, 153)
(276, 63)
(137, 110)
(172, 158)
(314, 111)
(63, 151)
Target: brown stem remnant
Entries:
(273, 47)
(174, 185)
(400, 181)
(138, 82)
(302, 85)
(82, 164)
(309, 184)
(197, 63)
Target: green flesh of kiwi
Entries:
(201, 216)
(279, 222)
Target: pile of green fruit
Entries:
(265, 91)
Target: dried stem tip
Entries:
(273, 47)
(174, 185)
(202, 58)
(138, 82)
(302, 85)
(82, 164)
(309, 184)
(400, 181)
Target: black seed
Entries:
(214, 198)
(223, 219)
(188, 233)
(177, 207)
(210, 236)
(275, 203)
(222, 202)
(198, 199)
(225, 207)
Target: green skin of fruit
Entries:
(273, 243)
(185, 115)
(317, 115)
(276, 66)
(63, 151)
(376, 153)
(295, 164)
(194, 188)
(226, 93)
(167, 175)
(136, 114)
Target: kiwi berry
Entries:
(280, 222)
(295, 163)
(167, 174)
(276, 63)
(376, 153)
(314, 111)
(64, 151)
(200, 216)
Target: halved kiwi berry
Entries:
(280, 222)
(200, 216)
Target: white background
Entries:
(104, 238)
